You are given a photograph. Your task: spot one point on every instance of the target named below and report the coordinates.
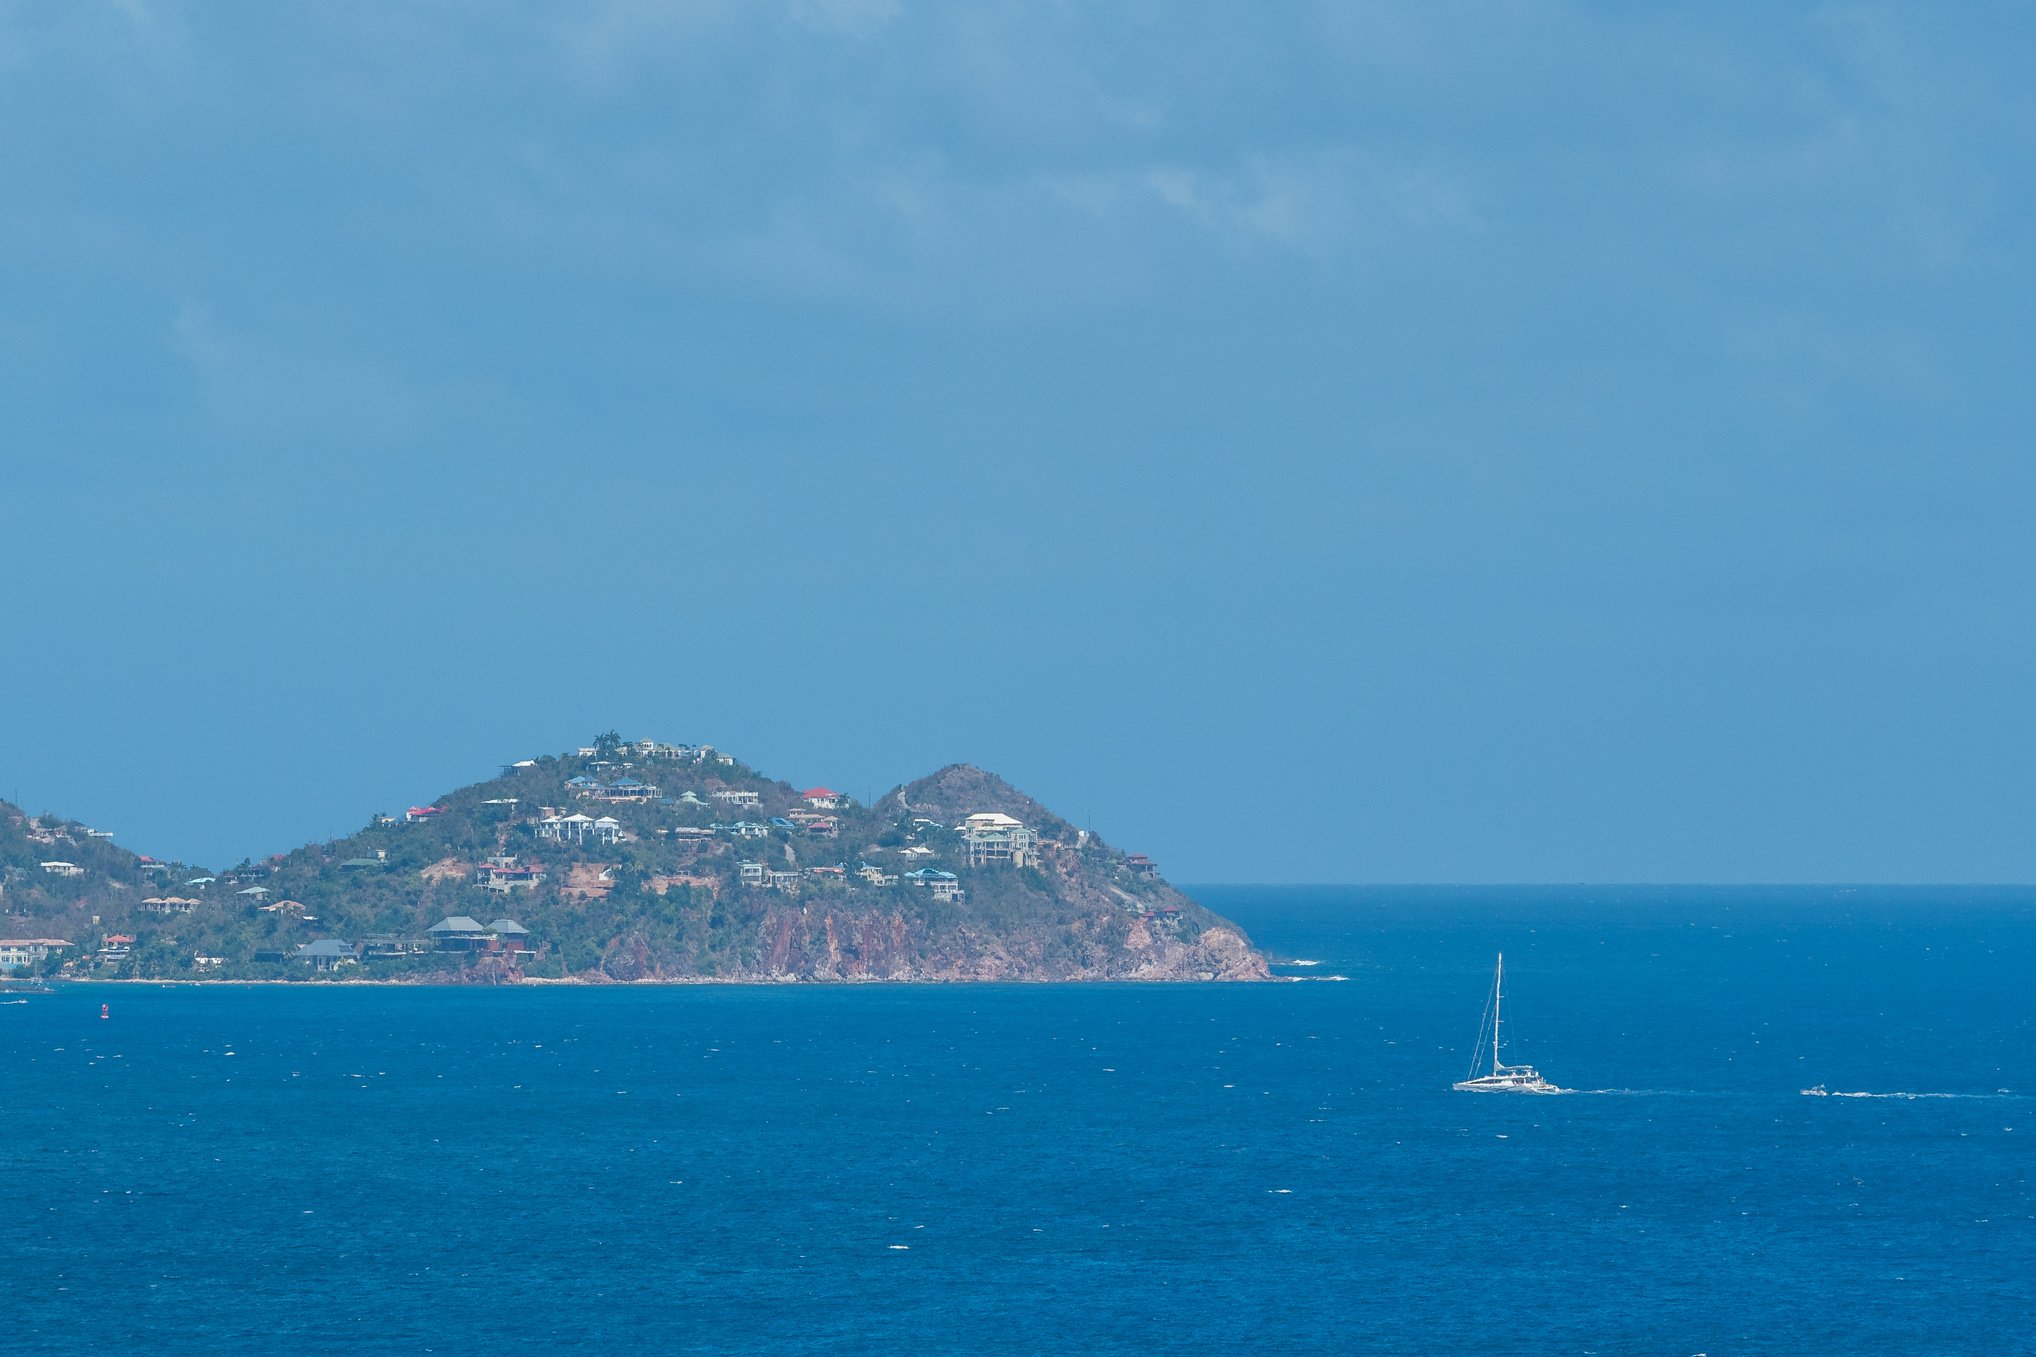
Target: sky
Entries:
(1495, 442)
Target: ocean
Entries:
(1094, 1169)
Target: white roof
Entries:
(996, 818)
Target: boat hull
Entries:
(1506, 1083)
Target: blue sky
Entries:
(1424, 442)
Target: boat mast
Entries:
(1498, 996)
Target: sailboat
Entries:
(1502, 1078)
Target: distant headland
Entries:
(628, 860)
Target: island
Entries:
(628, 861)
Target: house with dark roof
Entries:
(328, 954)
(458, 933)
(511, 936)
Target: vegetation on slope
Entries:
(694, 884)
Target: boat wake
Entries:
(1821, 1092)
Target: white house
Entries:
(63, 869)
(992, 837)
(506, 874)
(16, 953)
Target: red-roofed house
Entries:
(423, 812)
(821, 798)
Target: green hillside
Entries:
(634, 861)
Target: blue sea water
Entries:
(1103, 1169)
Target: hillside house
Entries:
(114, 946)
(254, 895)
(582, 785)
(993, 837)
(747, 829)
(828, 873)
(751, 873)
(607, 829)
(328, 954)
(57, 868)
(625, 789)
(20, 953)
(511, 937)
(169, 904)
(689, 797)
(1138, 864)
(575, 828)
(416, 813)
(783, 822)
(505, 874)
(823, 828)
(390, 945)
(821, 798)
(284, 907)
(458, 933)
(733, 797)
(942, 885)
(876, 876)
(688, 834)
(774, 880)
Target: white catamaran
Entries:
(1502, 1078)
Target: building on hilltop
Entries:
(822, 798)
(625, 789)
(1138, 864)
(993, 837)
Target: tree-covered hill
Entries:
(636, 860)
